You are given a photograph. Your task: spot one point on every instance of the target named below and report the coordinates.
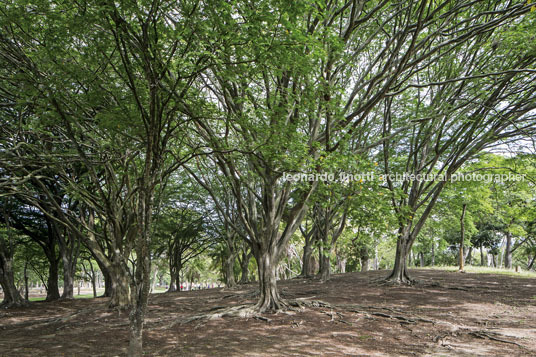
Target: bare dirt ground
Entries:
(446, 314)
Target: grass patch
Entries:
(81, 296)
(487, 270)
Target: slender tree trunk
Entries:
(462, 236)
(530, 265)
(482, 263)
(421, 259)
(26, 289)
(508, 251)
(433, 254)
(93, 282)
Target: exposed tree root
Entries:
(9, 305)
(492, 336)
(394, 314)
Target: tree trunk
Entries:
(53, 291)
(244, 267)
(529, 266)
(400, 275)
(26, 289)
(93, 282)
(307, 253)
(229, 270)
(173, 277)
(508, 251)
(325, 265)
(462, 237)
(421, 259)
(469, 256)
(68, 280)
(120, 291)
(135, 346)
(364, 259)
(341, 264)
(433, 254)
(269, 296)
(481, 255)
(12, 296)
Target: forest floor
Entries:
(445, 314)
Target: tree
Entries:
(12, 296)
(463, 108)
(126, 73)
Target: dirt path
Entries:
(446, 314)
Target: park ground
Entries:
(445, 314)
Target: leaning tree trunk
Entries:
(508, 251)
